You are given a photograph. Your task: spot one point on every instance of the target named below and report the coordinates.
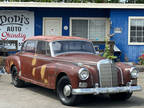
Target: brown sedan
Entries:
(70, 66)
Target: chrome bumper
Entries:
(108, 90)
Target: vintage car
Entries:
(70, 66)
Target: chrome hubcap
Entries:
(67, 90)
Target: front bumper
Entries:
(108, 90)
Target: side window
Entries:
(29, 46)
(43, 48)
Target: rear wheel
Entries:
(15, 80)
(121, 96)
(64, 92)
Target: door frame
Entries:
(52, 18)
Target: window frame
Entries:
(52, 50)
(25, 42)
(90, 18)
(47, 43)
(129, 27)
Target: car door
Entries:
(27, 58)
(42, 67)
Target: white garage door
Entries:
(52, 26)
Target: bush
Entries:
(141, 59)
(107, 54)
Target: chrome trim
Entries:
(104, 61)
(51, 49)
(109, 90)
(122, 79)
(80, 71)
(83, 84)
(134, 68)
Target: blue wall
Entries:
(119, 18)
(65, 13)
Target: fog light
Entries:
(96, 85)
(82, 84)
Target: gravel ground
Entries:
(37, 97)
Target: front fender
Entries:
(71, 70)
(126, 74)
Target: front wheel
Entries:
(121, 96)
(64, 92)
(15, 80)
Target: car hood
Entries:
(80, 58)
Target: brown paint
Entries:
(31, 65)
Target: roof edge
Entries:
(72, 5)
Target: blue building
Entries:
(124, 22)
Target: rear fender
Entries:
(12, 61)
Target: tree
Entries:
(140, 1)
(114, 1)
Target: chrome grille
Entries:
(108, 75)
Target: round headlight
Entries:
(134, 72)
(83, 74)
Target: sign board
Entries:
(16, 25)
(8, 45)
(117, 30)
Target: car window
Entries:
(43, 48)
(72, 46)
(29, 46)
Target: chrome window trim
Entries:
(51, 49)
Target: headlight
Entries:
(134, 72)
(83, 74)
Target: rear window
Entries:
(29, 46)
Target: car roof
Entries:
(55, 38)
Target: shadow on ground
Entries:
(102, 101)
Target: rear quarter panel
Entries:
(11, 61)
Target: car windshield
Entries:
(72, 46)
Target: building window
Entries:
(91, 28)
(136, 30)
